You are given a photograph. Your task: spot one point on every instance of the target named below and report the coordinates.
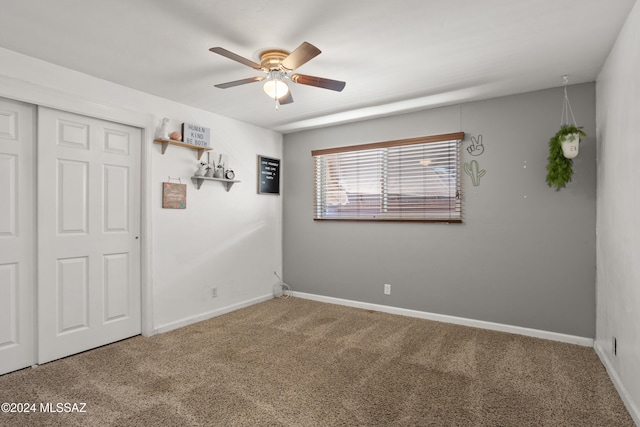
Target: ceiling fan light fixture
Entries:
(274, 86)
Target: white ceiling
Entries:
(395, 56)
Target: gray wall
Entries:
(525, 254)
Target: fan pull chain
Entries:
(276, 97)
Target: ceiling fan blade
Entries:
(224, 52)
(239, 82)
(287, 99)
(301, 55)
(318, 82)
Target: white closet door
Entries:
(88, 233)
(17, 235)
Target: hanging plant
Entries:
(560, 168)
(563, 146)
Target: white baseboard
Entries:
(536, 333)
(634, 411)
(209, 314)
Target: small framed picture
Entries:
(174, 196)
(268, 175)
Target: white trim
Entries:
(146, 233)
(32, 93)
(210, 314)
(634, 411)
(535, 333)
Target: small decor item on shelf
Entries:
(163, 131)
(196, 134)
(176, 136)
(229, 174)
(211, 166)
(563, 146)
(219, 173)
(201, 169)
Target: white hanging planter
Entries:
(563, 146)
(571, 145)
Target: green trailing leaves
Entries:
(559, 168)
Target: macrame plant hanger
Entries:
(571, 142)
(566, 106)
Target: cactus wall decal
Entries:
(473, 170)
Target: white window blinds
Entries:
(414, 179)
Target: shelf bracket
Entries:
(165, 145)
(197, 182)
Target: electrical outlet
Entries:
(214, 292)
(387, 289)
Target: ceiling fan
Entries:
(278, 66)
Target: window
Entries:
(414, 179)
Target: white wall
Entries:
(231, 240)
(618, 233)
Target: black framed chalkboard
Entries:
(268, 175)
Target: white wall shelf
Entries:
(166, 142)
(198, 180)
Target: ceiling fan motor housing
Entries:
(272, 59)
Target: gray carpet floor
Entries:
(295, 362)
